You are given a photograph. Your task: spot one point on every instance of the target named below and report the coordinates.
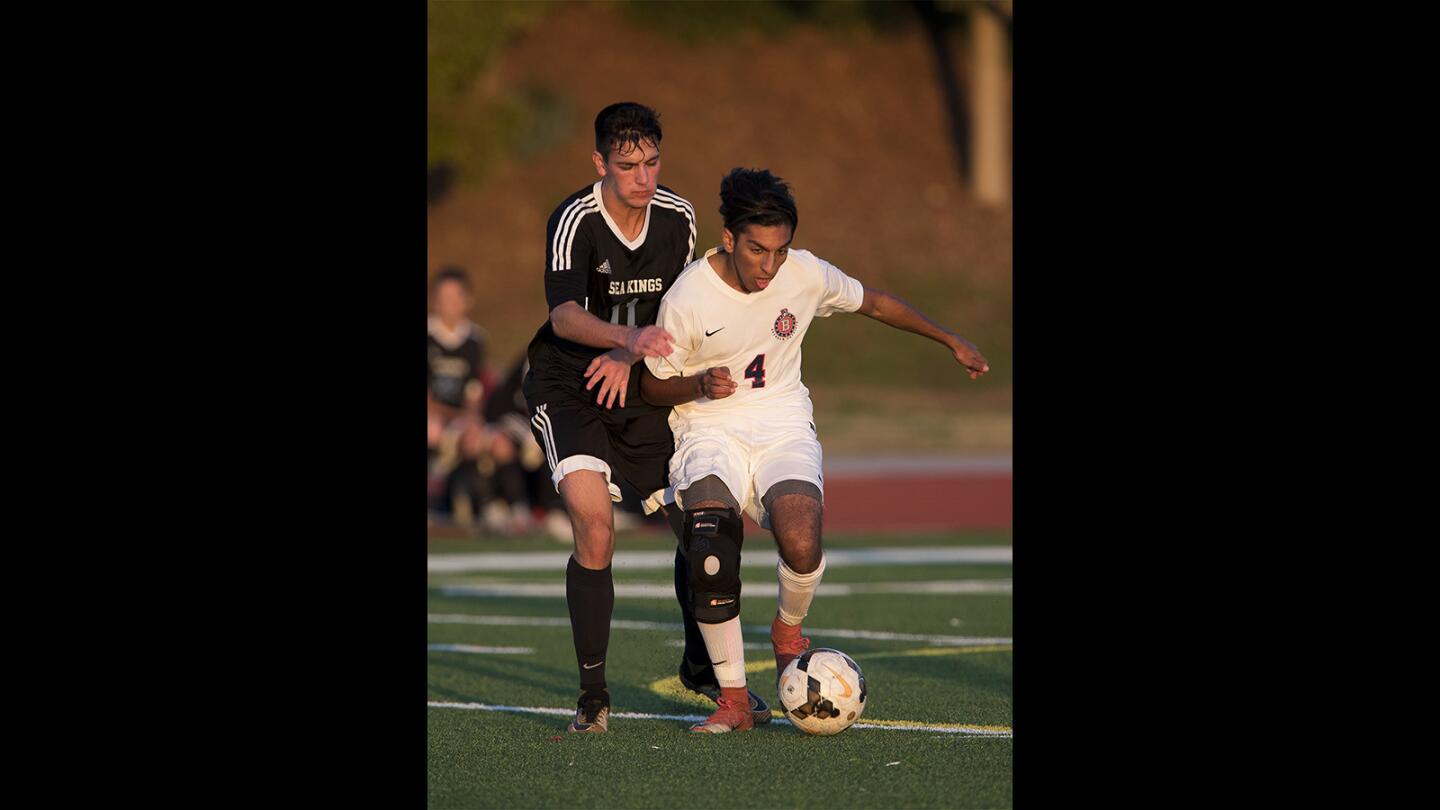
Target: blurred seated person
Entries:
(457, 378)
(523, 483)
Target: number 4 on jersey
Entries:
(755, 372)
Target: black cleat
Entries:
(709, 687)
(592, 714)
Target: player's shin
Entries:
(727, 654)
(797, 591)
(590, 595)
(696, 661)
(712, 540)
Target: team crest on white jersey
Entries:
(604, 267)
(784, 325)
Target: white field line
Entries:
(663, 591)
(969, 731)
(759, 558)
(754, 629)
(480, 649)
(679, 643)
(749, 645)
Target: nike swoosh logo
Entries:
(708, 334)
(842, 681)
(592, 666)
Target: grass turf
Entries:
(658, 538)
(485, 759)
(495, 759)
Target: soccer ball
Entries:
(823, 691)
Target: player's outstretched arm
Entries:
(574, 323)
(888, 309)
(714, 383)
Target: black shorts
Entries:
(632, 444)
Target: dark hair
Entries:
(756, 197)
(624, 125)
(451, 273)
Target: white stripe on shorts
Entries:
(542, 423)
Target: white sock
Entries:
(723, 643)
(796, 591)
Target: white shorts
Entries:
(750, 458)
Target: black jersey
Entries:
(588, 261)
(455, 360)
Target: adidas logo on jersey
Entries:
(604, 267)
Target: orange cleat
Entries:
(788, 644)
(733, 715)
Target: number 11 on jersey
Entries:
(630, 318)
(755, 372)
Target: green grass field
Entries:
(942, 704)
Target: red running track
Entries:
(907, 495)
(918, 501)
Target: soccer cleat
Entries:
(707, 685)
(788, 644)
(730, 716)
(592, 714)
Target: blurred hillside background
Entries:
(891, 120)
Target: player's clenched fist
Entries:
(715, 383)
(970, 357)
(649, 341)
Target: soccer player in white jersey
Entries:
(744, 435)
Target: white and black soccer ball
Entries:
(823, 691)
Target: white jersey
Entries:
(756, 336)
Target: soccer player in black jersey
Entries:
(612, 250)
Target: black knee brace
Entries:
(712, 552)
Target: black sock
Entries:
(591, 597)
(697, 658)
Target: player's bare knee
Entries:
(800, 548)
(801, 558)
(795, 504)
(795, 514)
(594, 541)
(593, 533)
(587, 500)
(594, 556)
